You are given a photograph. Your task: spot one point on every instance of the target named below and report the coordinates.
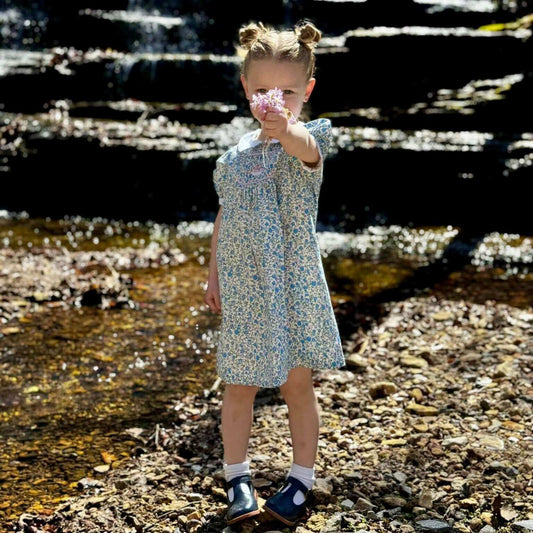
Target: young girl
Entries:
(265, 273)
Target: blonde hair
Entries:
(261, 42)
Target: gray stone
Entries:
(487, 529)
(347, 504)
(400, 477)
(391, 500)
(363, 504)
(522, 526)
(405, 490)
(386, 513)
(511, 471)
(322, 490)
(434, 526)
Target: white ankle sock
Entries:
(306, 476)
(233, 471)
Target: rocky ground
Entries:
(428, 428)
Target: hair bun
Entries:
(249, 34)
(308, 34)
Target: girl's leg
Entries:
(236, 421)
(298, 392)
(304, 419)
(236, 424)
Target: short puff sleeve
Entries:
(320, 129)
(217, 182)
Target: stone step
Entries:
(389, 70)
(421, 177)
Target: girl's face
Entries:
(266, 74)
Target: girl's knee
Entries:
(241, 391)
(299, 385)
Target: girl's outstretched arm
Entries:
(295, 138)
(301, 144)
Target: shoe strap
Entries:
(245, 478)
(296, 484)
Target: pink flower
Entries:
(272, 101)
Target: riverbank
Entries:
(428, 428)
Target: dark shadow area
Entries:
(362, 313)
(455, 257)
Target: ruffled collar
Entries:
(249, 140)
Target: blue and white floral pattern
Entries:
(275, 301)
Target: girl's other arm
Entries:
(212, 294)
(213, 271)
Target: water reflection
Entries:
(75, 379)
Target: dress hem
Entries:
(264, 386)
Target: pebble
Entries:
(459, 441)
(400, 477)
(322, 489)
(392, 500)
(434, 526)
(362, 504)
(347, 504)
(413, 362)
(423, 410)
(492, 442)
(382, 389)
(406, 490)
(356, 362)
(522, 526)
(333, 524)
(425, 498)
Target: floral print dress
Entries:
(275, 302)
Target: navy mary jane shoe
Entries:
(281, 504)
(244, 502)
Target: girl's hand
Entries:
(212, 295)
(275, 125)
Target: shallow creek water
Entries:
(76, 377)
